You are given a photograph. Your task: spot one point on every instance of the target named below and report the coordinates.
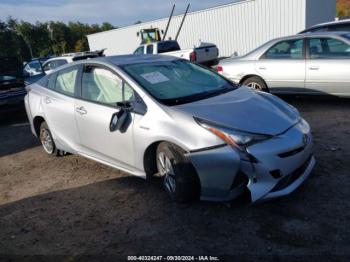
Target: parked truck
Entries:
(205, 53)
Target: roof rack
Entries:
(95, 53)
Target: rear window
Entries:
(168, 46)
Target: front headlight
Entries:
(235, 138)
(303, 126)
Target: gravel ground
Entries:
(72, 206)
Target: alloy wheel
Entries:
(166, 170)
(46, 141)
(254, 86)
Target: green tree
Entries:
(26, 40)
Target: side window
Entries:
(33, 68)
(47, 66)
(149, 49)
(328, 48)
(340, 27)
(60, 62)
(51, 81)
(65, 81)
(139, 51)
(54, 64)
(102, 86)
(290, 49)
(168, 46)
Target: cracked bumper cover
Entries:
(218, 168)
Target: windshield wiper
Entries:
(199, 96)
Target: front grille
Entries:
(291, 178)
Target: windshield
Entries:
(178, 82)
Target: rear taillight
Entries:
(193, 57)
(219, 69)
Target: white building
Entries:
(236, 27)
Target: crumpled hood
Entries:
(245, 110)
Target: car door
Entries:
(328, 66)
(58, 102)
(101, 90)
(283, 66)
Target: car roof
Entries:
(322, 25)
(315, 34)
(133, 59)
(337, 22)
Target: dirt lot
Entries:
(73, 206)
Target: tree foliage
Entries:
(26, 40)
(343, 8)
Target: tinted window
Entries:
(54, 64)
(65, 81)
(291, 49)
(103, 86)
(168, 46)
(328, 48)
(340, 27)
(51, 81)
(33, 68)
(149, 49)
(139, 51)
(177, 82)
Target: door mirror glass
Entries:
(120, 121)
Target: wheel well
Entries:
(149, 159)
(37, 123)
(249, 76)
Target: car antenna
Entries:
(167, 26)
(182, 22)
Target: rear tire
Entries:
(256, 83)
(47, 141)
(179, 176)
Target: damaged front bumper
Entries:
(283, 164)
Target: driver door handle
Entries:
(81, 110)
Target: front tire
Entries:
(179, 176)
(256, 83)
(47, 141)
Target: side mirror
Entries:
(118, 120)
(121, 119)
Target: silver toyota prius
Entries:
(313, 63)
(204, 136)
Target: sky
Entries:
(116, 12)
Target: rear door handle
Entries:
(48, 100)
(262, 68)
(81, 110)
(314, 68)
